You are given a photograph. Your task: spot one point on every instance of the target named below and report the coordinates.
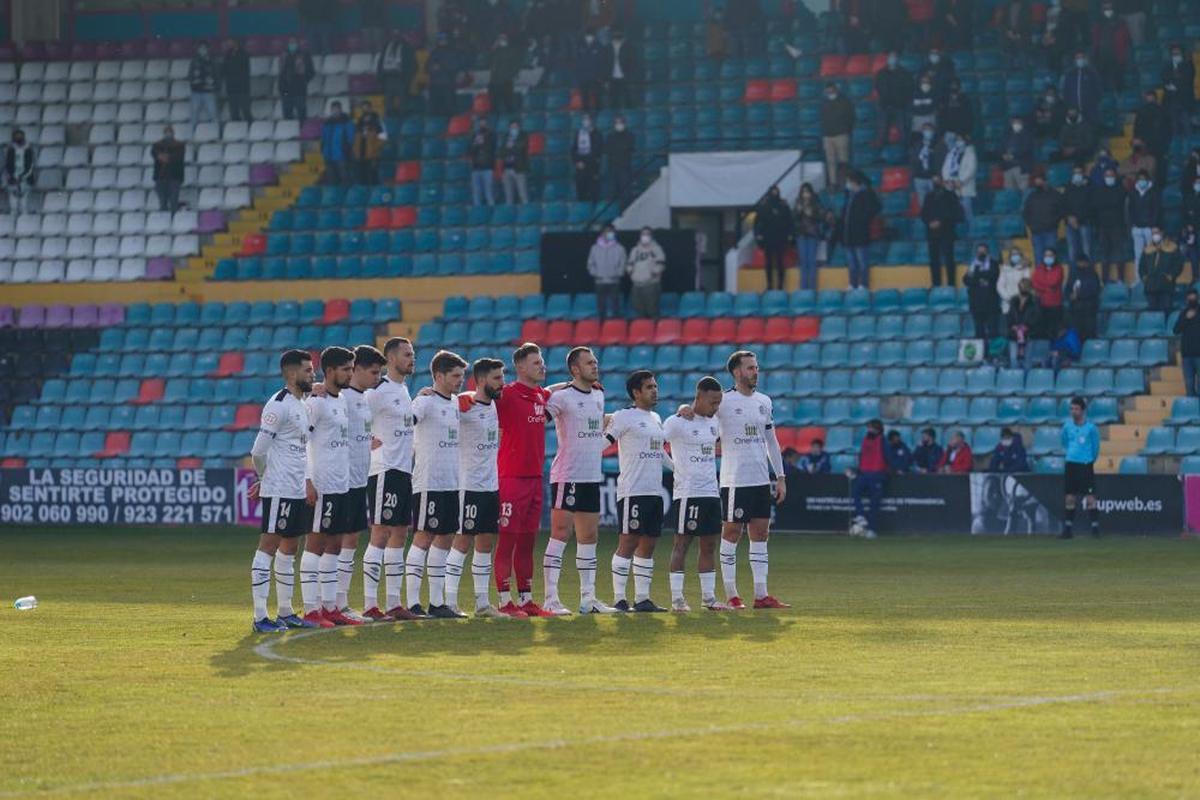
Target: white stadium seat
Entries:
(130, 113)
(209, 175)
(53, 225)
(361, 63)
(157, 114)
(104, 178)
(155, 90)
(54, 247)
(155, 223)
(51, 271)
(33, 71)
(107, 200)
(106, 247)
(106, 224)
(184, 222)
(236, 153)
(236, 197)
(30, 114)
(133, 70)
(129, 155)
(8, 72)
(206, 132)
(209, 153)
(131, 269)
(105, 92)
(102, 135)
(79, 270)
(81, 247)
(82, 71)
(236, 175)
(28, 225)
(158, 69)
(104, 155)
(25, 271)
(178, 69)
(332, 64)
(236, 131)
(129, 178)
(57, 71)
(29, 248)
(287, 152)
(81, 92)
(155, 247)
(6, 271)
(261, 130)
(262, 152)
(184, 246)
(108, 70)
(55, 114)
(129, 134)
(132, 247)
(54, 93)
(105, 269)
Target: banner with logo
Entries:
(1034, 504)
(910, 504)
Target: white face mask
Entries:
(934, 58)
(620, 126)
(925, 87)
(1081, 62)
(1078, 180)
(1109, 180)
(1015, 259)
(609, 236)
(645, 238)
(1006, 442)
(1017, 127)
(1156, 238)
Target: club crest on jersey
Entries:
(491, 435)
(538, 409)
(738, 513)
(691, 525)
(452, 434)
(762, 410)
(569, 500)
(593, 424)
(656, 444)
(634, 524)
(469, 524)
(707, 450)
(751, 430)
(433, 522)
(269, 418)
(387, 513)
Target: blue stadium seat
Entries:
(893, 381)
(1184, 411)
(1134, 465)
(1159, 441)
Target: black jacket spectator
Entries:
(980, 279)
(942, 73)
(1191, 205)
(483, 149)
(957, 114)
(924, 103)
(1188, 330)
(1108, 206)
(1023, 311)
(202, 73)
(927, 158)
(235, 71)
(1049, 113)
(1077, 202)
(895, 88)
(1077, 139)
(1178, 84)
(773, 223)
(1152, 125)
(619, 149)
(515, 154)
(854, 224)
(925, 457)
(1010, 457)
(170, 168)
(1145, 209)
(589, 63)
(295, 73)
(1018, 149)
(899, 457)
(837, 116)
(1043, 210)
(941, 213)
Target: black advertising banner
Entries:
(1033, 504)
(911, 504)
(117, 496)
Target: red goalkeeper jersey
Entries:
(522, 412)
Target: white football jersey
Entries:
(694, 452)
(283, 442)
(639, 437)
(392, 424)
(435, 444)
(358, 413)
(329, 444)
(744, 422)
(579, 424)
(479, 443)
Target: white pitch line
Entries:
(559, 743)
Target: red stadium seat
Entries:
(534, 330)
(757, 91)
(189, 463)
(777, 329)
(587, 330)
(335, 311)
(537, 143)
(914, 210)
(805, 436)
(996, 178)
(245, 418)
(408, 172)
(576, 101)
(895, 179)
(787, 437)
(230, 365)
(722, 331)
(379, 218)
(668, 331)
(253, 244)
(115, 443)
(459, 125)
(878, 62)
(832, 66)
(805, 328)
(613, 331)
(150, 391)
(641, 331)
(750, 330)
(560, 332)
(12, 462)
(783, 89)
(403, 217)
(857, 66)
(482, 104)
(695, 331)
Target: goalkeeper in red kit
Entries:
(521, 408)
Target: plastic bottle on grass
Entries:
(27, 603)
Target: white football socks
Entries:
(552, 567)
(481, 573)
(585, 562)
(345, 573)
(729, 568)
(285, 582)
(676, 585)
(393, 570)
(758, 568)
(260, 583)
(643, 574)
(708, 587)
(414, 568)
(454, 570)
(620, 576)
(329, 581)
(372, 571)
(310, 581)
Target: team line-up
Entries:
(463, 471)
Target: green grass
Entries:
(930, 667)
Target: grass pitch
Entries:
(915, 667)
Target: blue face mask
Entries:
(1142, 185)
(293, 47)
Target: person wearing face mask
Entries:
(589, 71)
(941, 70)
(957, 112)
(894, 86)
(1140, 160)
(1152, 126)
(1022, 320)
(1111, 46)
(1076, 139)
(1187, 328)
(927, 453)
(923, 109)
(514, 161)
(1016, 155)
(235, 80)
(586, 151)
(482, 154)
(606, 264)
(853, 230)
(958, 459)
(504, 62)
(1083, 290)
(646, 264)
(1159, 266)
(167, 154)
(202, 78)
(1012, 272)
(1009, 455)
(959, 170)
(295, 73)
(869, 479)
(620, 70)
(394, 67)
(618, 149)
(837, 125)
(1077, 211)
(337, 145)
(812, 220)
(1082, 87)
(941, 214)
(1179, 94)
(983, 300)
(1048, 278)
(774, 230)
(1145, 211)
(370, 136)
(1042, 212)
(925, 161)
(1111, 220)
(1049, 113)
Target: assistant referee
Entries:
(1081, 441)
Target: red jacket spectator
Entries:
(1048, 285)
(871, 457)
(920, 11)
(1111, 41)
(957, 460)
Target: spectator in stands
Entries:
(589, 71)
(941, 70)
(1179, 94)
(444, 65)
(1077, 211)
(514, 160)
(1152, 127)
(620, 70)
(894, 86)
(716, 41)
(958, 172)
(395, 66)
(1139, 160)
(928, 454)
(619, 151)
(925, 162)
(370, 136)
(816, 461)
(1016, 155)
(983, 301)
(1112, 225)
(1189, 236)
(837, 125)
(870, 476)
(1145, 211)
(1022, 321)
(791, 462)
(606, 264)
(1076, 139)
(941, 214)
(774, 231)
(646, 264)
(923, 110)
(1101, 164)
(1009, 455)
(504, 63)
(168, 154)
(1042, 212)
(956, 112)
(482, 154)
(586, 152)
(1083, 291)
(899, 457)
(296, 71)
(1065, 348)
(318, 20)
(235, 78)
(1048, 278)
(19, 175)
(1012, 273)
(1187, 328)
(1049, 114)
(1082, 88)
(202, 79)
(1014, 20)
(958, 459)
(337, 145)
(1111, 47)
(853, 231)
(1159, 266)
(854, 19)
(811, 222)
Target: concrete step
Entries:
(1122, 433)
(1167, 388)
(1148, 418)
(1123, 448)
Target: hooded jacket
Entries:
(1048, 285)
(606, 261)
(1011, 458)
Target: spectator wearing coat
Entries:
(443, 67)
(958, 459)
(1009, 455)
(514, 163)
(774, 230)
(925, 161)
(235, 80)
(983, 300)
(1017, 154)
(589, 71)
(587, 149)
(1145, 211)
(619, 149)
(370, 137)
(811, 219)
(958, 172)
(899, 456)
(1048, 279)
(1139, 160)
(1179, 94)
(646, 264)
(337, 145)
(395, 65)
(957, 113)
(20, 160)
(859, 207)
(504, 62)
(482, 154)
(1159, 267)
(894, 86)
(816, 461)
(1042, 212)
(1076, 139)
(1152, 127)
(837, 126)
(620, 70)
(1111, 47)
(606, 264)
(941, 214)
(295, 73)
(941, 71)
(1187, 328)
(1082, 87)
(1049, 113)
(202, 79)
(1021, 322)
(1012, 273)
(928, 453)
(168, 156)
(923, 109)
(1110, 216)
(1083, 291)
(1189, 237)
(1077, 211)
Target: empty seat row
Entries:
(376, 266)
(167, 445)
(154, 416)
(63, 247)
(129, 223)
(84, 269)
(237, 338)
(1172, 441)
(120, 392)
(263, 312)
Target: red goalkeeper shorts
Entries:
(520, 505)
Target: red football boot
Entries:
(510, 609)
(736, 604)
(770, 602)
(400, 613)
(338, 618)
(532, 609)
(375, 615)
(317, 618)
